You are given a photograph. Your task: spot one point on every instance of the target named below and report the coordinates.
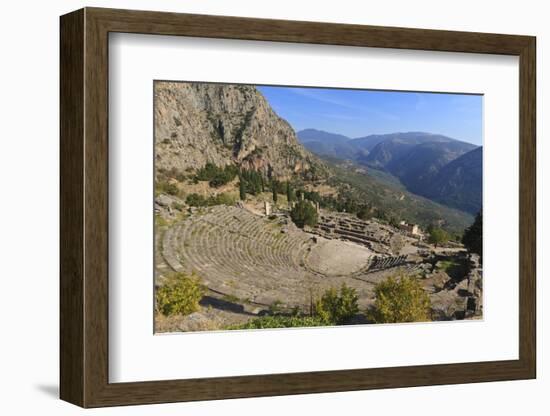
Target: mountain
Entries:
(381, 150)
(419, 160)
(460, 183)
(392, 147)
(323, 143)
(420, 165)
(196, 123)
(366, 144)
(384, 191)
(314, 135)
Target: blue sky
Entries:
(357, 113)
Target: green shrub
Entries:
(207, 172)
(304, 213)
(160, 221)
(196, 200)
(165, 187)
(337, 308)
(280, 321)
(276, 307)
(216, 176)
(400, 299)
(437, 236)
(180, 295)
(364, 213)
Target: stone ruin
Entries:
(250, 261)
(462, 299)
(380, 263)
(374, 236)
(475, 288)
(267, 208)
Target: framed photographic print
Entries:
(257, 207)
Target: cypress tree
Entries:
(304, 213)
(274, 191)
(473, 236)
(242, 190)
(289, 193)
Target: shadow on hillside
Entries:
(224, 305)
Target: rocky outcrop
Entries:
(462, 299)
(196, 123)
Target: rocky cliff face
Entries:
(196, 123)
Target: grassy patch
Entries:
(455, 268)
(160, 222)
(279, 321)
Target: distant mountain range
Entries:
(458, 184)
(440, 168)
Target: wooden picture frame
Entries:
(84, 207)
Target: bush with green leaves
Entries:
(216, 176)
(196, 200)
(304, 213)
(364, 213)
(400, 299)
(166, 187)
(337, 307)
(437, 236)
(180, 294)
(280, 321)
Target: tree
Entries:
(393, 222)
(337, 308)
(180, 294)
(289, 193)
(274, 191)
(400, 299)
(242, 189)
(303, 213)
(216, 176)
(437, 236)
(473, 235)
(364, 213)
(252, 181)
